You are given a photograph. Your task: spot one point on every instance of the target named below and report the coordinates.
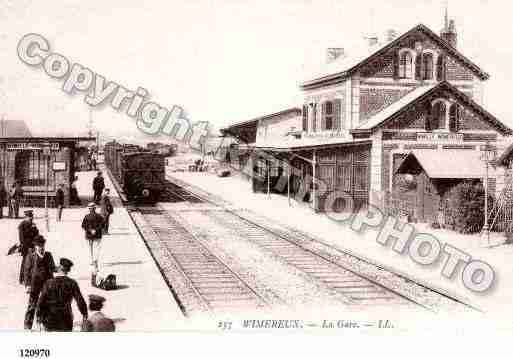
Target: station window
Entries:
(438, 118)
(329, 112)
(406, 65)
(440, 68)
(427, 62)
(454, 117)
(31, 167)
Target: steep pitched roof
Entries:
(14, 128)
(397, 108)
(347, 65)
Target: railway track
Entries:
(362, 281)
(202, 281)
(205, 283)
(357, 289)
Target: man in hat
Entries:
(39, 267)
(98, 186)
(97, 321)
(93, 227)
(106, 210)
(54, 310)
(27, 231)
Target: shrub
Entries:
(466, 203)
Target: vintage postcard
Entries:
(328, 168)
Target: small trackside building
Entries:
(35, 162)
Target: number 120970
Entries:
(34, 353)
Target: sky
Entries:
(223, 61)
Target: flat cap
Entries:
(94, 298)
(91, 205)
(39, 240)
(29, 213)
(66, 263)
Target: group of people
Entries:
(50, 289)
(12, 199)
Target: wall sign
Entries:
(28, 146)
(59, 166)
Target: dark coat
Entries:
(3, 196)
(106, 208)
(27, 232)
(54, 304)
(16, 193)
(98, 184)
(59, 197)
(98, 322)
(37, 270)
(93, 221)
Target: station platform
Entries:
(143, 303)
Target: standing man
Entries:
(97, 321)
(59, 201)
(106, 210)
(93, 227)
(74, 199)
(39, 267)
(27, 231)
(98, 186)
(3, 198)
(54, 310)
(16, 198)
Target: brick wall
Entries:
(457, 72)
(373, 100)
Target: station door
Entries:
(345, 169)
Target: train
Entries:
(139, 172)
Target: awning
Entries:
(446, 163)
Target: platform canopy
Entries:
(459, 164)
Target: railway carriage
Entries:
(141, 174)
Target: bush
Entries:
(466, 203)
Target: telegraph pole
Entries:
(46, 153)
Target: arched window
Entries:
(454, 117)
(440, 68)
(418, 61)
(438, 116)
(427, 66)
(406, 65)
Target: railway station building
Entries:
(404, 112)
(35, 162)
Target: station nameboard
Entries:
(439, 137)
(28, 146)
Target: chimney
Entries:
(333, 53)
(449, 33)
(373, 40)
(391, 35)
